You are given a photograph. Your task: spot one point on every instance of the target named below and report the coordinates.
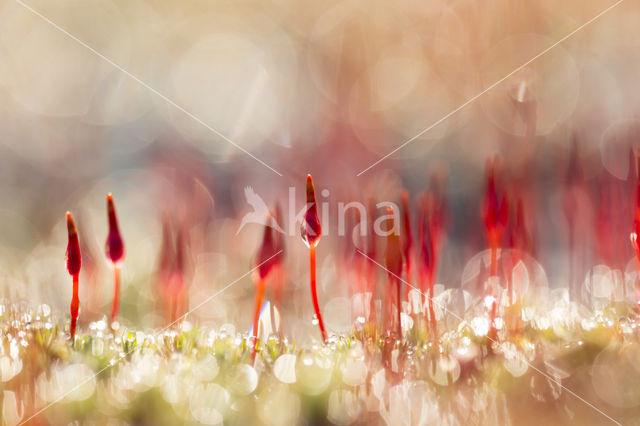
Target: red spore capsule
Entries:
(73, 256)
(114, 249)
(311, 232)
(114, 246)
(74, 262)
(311, 229)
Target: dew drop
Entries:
(243, 379)
(285, 368)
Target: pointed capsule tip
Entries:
(73, 248)
(311, 192)
(110, 205)
(71, 226)
(114, 245)
(111, 211)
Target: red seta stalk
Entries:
(430, 230)
(314, 291)
(114, 249)
(427, 255)
(260, 286)
(573, 210)
(520, 243)
(116, 295)
(371, 273)
(74, 263)
(172, 262)
(166, 260)
(311, 231)
(178, 274)
(407, 239)
(495, 212)
(266, 260)
(393, 263)
(635, 227)
(280, 247)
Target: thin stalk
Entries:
(637, 307)
(75, 305)
(116, 294)
(510, 284)
(432, 314)
(256, 315)
(494, 260)
(399, 299)
(494, 307)
(314, 293)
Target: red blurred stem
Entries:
(116, 294)
(371, 283)
(510, 284)
(493, 273)
(399, 299)
(494, 260)
(493, 332)
(637, 307)
(75, 305)
(432, 314)
(256, 314)
(314, 293)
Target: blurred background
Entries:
(323, 88)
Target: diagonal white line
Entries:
(474, 98)
(142, 83)
(208, 299)
(492, 340)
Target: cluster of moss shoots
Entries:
(492, 350)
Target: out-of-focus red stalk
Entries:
(429, 231)
(635, 228)
(311, 231)
(407, 237)
(393, 263)
(519, 241)
(171, 270)
(574, 187)
(165, 267)
(604, 222)
(114, 249)
(495, 212)
(74, 263)
(177, 278)
(280, 247)
(371, 272)
(354, 262)
(266, 261)
(260, 287)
